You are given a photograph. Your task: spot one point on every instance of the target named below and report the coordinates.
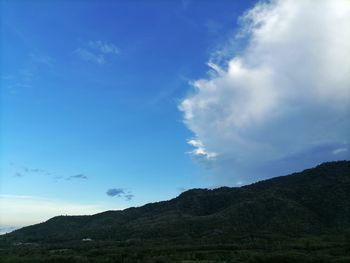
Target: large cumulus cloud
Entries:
(287, 94)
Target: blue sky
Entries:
(134, 99)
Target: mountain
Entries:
(6, 229)
(312, 202)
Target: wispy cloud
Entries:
(34, 170)
(23, 78)
(97, 52)
(17, 174)
(287, 92)
(88, 55)
(103, 47)
(77, 176)
(120, 192)
(27, 171)
(339, 151)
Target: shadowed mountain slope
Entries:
(314, 201)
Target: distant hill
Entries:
(6, 229)
(314, 201)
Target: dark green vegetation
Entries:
(303, 217)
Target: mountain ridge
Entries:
(314, 201)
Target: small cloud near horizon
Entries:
(128, 197)
(120, 192)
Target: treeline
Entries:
(326, 248)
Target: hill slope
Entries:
(314, 201)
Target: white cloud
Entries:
(97, 52)
(200, 151)
(20, 210)
(287, 92)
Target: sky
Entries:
(112, 104)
